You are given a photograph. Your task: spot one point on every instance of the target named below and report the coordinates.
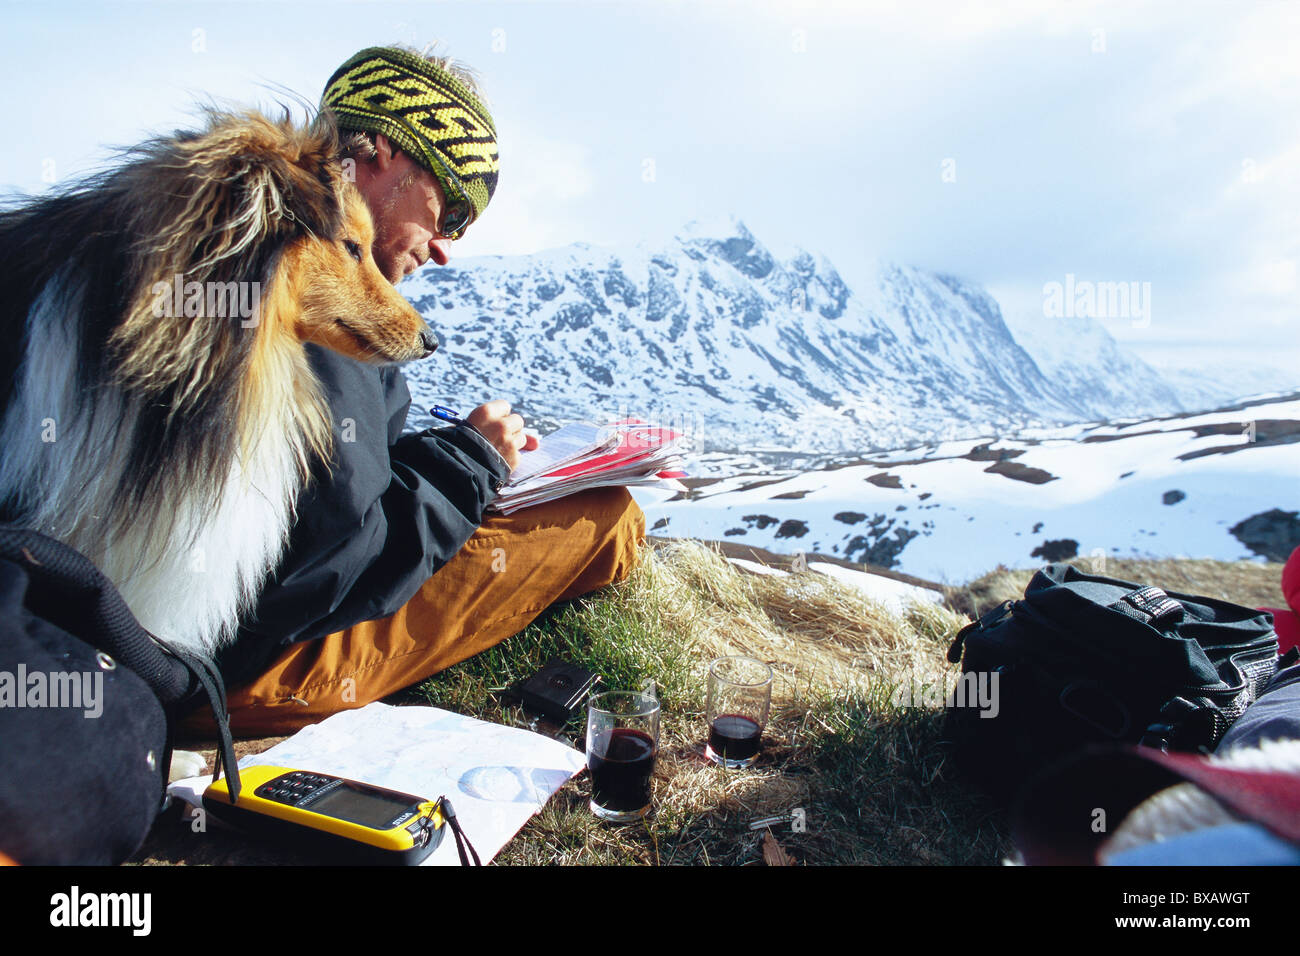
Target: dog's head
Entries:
(249, 223)
(345, 303)
(204, 264)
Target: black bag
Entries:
(1084, 660)
(87, 697)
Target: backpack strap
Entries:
(987, 620)
(1149, 605)
(1195, 723)
(207, 674)
(68, 590)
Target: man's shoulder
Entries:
(338, 372)
(362, 392)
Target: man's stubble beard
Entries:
(384, 224)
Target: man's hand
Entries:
(504, 430)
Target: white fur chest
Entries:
(62, 468)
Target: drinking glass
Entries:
(740, 693)
(622, 741)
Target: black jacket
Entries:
(390, 511)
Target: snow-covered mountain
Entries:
(1083, 361)
(1216, 386)
(712, 334)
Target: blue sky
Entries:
(1010, 143)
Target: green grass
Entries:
(851, 777)
(594, 633)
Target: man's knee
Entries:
(617, 538)
(615, 509)
(630, 525)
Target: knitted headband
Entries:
(427, 113)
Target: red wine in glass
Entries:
(734, 737)
(621, 764)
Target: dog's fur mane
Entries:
(167, 449)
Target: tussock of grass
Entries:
(862, 775)
(814, 629)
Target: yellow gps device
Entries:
(349, 821)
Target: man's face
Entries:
(406, 203)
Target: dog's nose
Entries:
(428, 340)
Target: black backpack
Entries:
(87, 702)
(1083, 660)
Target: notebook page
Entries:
(559, 447)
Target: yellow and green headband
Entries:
(426, 112)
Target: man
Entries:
(355, 610)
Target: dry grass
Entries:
(861, 775)
(816, 631)
(1241, 582)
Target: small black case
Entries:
(558, 690)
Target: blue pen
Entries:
(446, 414)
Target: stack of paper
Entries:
(581, 456)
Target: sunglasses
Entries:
(455, 217)
(457, 210)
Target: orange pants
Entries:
(511, 570)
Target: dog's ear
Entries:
(215, 208)
(305, 166)
(245, 183)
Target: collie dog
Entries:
(159, 411)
